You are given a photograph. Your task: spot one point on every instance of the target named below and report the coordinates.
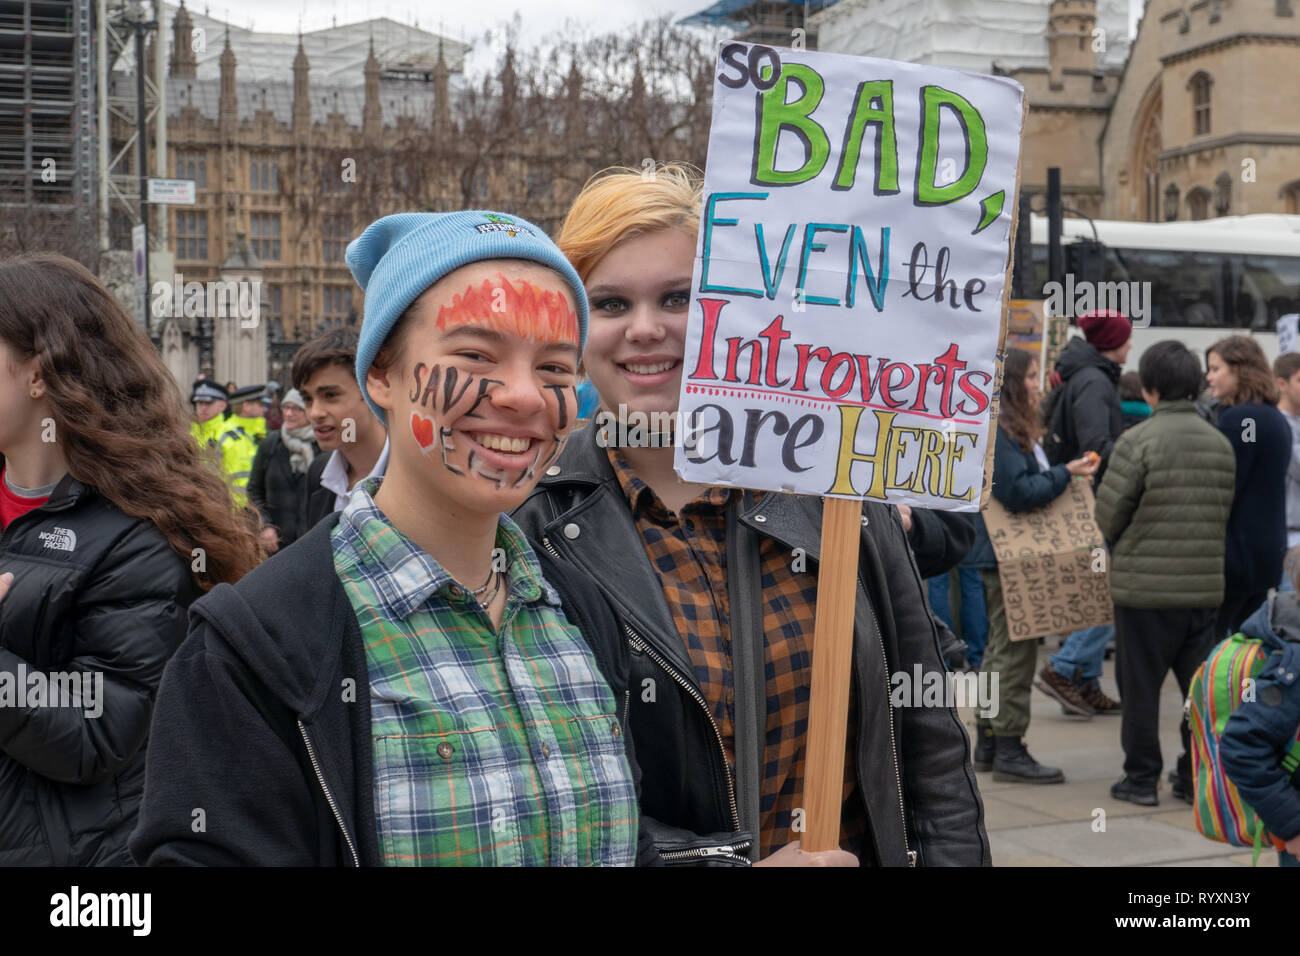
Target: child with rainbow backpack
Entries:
(1258, 749)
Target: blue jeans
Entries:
(1080, 659)
(974, 616)
(1286, 859)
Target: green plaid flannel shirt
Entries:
(490, 749)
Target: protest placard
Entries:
(848, 311)
(850, 280)
(1053, 565)
(1288, 330)
(1056, 332)
(1025, 325)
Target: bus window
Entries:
(1275, 283)
(1187, 288)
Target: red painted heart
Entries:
(422, 429)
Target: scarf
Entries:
(301, 449)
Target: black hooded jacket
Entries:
(263, 719)
(1092, 406)
(95, 592)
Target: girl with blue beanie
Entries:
(410, 683)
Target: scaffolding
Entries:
(46, 104)
(770, 22)
(119, 199)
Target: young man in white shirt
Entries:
(324, 371)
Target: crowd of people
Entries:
(414, 611)
(1197, 477)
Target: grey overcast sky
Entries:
(460, 18)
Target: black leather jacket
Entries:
(913, 763)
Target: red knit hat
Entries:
(1105, 329)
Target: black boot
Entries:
(1012, 763)
(984, 744)
(1143, 794)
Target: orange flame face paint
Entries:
(519, 309)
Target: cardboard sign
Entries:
(1053, 565)
(1288, 327)
(1056, 332)
(850, 282)
(1025, 325)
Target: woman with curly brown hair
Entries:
(111, 527)
(1241, 380)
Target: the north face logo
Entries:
(60, 539)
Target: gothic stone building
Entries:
(1197, 116)
(268, 148)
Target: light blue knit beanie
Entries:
(400, 256)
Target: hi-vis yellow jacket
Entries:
(254, 428)
(236, 446)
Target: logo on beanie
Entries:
(504, 224)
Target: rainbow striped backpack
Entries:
(1215, 692)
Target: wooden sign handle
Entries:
(832, 663)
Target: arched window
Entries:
(1144, 162)
(1171, 202)
(1290, 194)
(1222, 194)
(1200, 86)
(1198, 203)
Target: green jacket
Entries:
(1163, 506)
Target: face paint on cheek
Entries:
(451, 397)
(483, 385)
(497, 475)
(423, 430)
(421, 397)
(555, 453)
(448, 446)
(560, 400)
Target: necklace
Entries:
(478, 591)
(495, 581)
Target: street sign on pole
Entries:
(172, 192)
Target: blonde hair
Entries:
(618, 203)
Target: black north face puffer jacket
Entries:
(95, 592)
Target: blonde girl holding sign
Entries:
(717, 590)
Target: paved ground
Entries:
(1053, 825)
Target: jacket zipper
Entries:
(893, 746)
(329, 797)
(640, 645)
(637, 643)
(735, 850)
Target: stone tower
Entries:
(1070, 24)
(182, 63)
